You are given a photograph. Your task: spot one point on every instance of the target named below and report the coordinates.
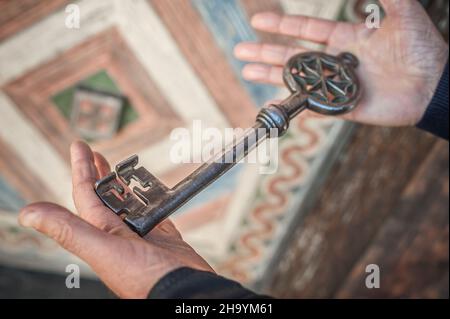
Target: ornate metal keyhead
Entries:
(329, 83)
(317, 81)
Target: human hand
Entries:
(128, 264)
(400, 64)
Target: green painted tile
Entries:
(98, 81)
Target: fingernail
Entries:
(29, 218)
(264, 21)
(75, 145)
(244, 51)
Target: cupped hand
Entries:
(400, 63)
(128, 264)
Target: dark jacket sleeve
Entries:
(435, 119)
(187, 283)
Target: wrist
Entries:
(153, 276)
(164, 267)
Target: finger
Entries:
(164, 229)
(67, 229)
(273, 102)
(265, 53)
(90, 207)
(168, 227)
(394, 6)
(263, 74)
(102, 165)
(302, 27)
(83, 178)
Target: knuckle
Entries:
(62, 232)
(83, 186)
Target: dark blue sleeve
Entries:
(187, 283)
(435, 119)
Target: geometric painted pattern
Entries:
(98, 81)
(37, 91)
(17, 17)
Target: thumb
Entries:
(70, 231)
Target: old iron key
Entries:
(317, 81)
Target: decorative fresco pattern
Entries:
(173, 61)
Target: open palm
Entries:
(400, 63)
(128, 264)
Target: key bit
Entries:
(317, 81)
